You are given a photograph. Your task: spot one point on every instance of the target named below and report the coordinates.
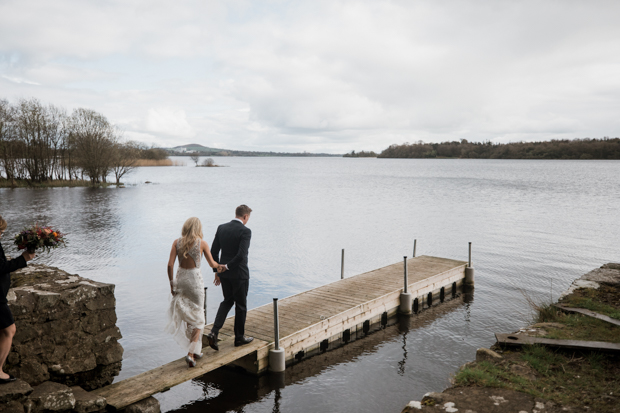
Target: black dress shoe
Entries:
(9, 380)
(243, 340)
(213, 341)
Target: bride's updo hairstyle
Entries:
(3, 224)
(192, 230)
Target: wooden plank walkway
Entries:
(322, 313)
(123, 393)
(524, 340)
(306, 319)
(589, 313)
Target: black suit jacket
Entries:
(233, 240)
(6, 268)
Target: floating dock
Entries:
(308, 321)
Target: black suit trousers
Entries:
(235, 293)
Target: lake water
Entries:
(535, 227)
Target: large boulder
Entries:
(50, 396)
(66, 329)
(86, 402)
(148, 405)
(14, 391)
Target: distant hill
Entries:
(197, 149)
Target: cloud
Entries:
(324, 75)
(168, 121)
(20, 80)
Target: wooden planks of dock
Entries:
(325, 312)
(306, 319)
(123, 393)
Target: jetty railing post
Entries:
(406, 299)
(277, 360)
(276, 324)
(206, 322)
(469, 271)
(342, 266)
(415, 241)
(405, 276)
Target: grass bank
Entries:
(585, 381)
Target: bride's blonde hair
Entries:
(192, 230)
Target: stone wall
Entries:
(66, 329)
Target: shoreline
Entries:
(542, 378)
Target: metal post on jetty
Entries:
(206, 322)
(469, 271)
(406, 299)
(277, 360)
(415, 241)
(342, 266)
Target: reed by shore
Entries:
(158, 162)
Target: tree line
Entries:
(605, 148)
(40, 142)
(360, 154)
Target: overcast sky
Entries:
(321, 76)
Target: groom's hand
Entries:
(216, 281)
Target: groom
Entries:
(233, 239)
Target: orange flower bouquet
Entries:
(37, 237)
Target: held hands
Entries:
(221, 268)
(216, 281)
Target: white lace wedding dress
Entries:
(186, 311)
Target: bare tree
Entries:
(93, 139)
(195, 158)
(124, 159)
(8, 142)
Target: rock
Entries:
(86, 402)
(608, 274)
(52, 396)
(109, 353)
(66, 328)
(481, 400)
(431, 399)
(12, 407)
(483, 354)
(148, 405)
(412, 406)
(30, 371)
(16, 390)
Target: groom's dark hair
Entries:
(242, 210)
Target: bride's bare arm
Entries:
(208, 256)
(173, 257)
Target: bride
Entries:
(186, 313)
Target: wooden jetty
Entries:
(308, 321)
